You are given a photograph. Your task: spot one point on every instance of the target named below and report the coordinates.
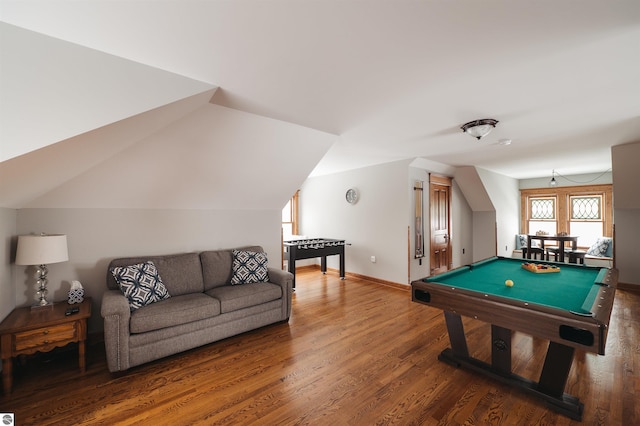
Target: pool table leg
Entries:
(553, 378)
(456, 334)
(555, 370)
(501, 349)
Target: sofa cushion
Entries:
(521, 241)
(141, 284)
(249, 267)
(175, 311)
(181, 273)
(600, 248)
(217, 266)
(234, 297)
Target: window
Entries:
(585, 211)
(586, 218)
(542, 214)
(290, 217)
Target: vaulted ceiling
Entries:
(340, 84)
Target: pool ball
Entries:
(508, 283)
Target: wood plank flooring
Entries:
(353, 353)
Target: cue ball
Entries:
(508, 283)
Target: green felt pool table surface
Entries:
(572, 289)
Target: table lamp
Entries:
(40, 250)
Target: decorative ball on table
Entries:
(508, 283)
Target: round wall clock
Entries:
(351, 196)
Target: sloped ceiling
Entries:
(84, 129)
(30, 176)
(213, 158)
(393, 79)
(53, 90)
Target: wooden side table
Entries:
(26, 331)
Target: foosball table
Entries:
(312, 248)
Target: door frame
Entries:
(438, 180)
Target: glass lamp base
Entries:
(38, 306)
(41, 292)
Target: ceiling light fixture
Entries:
(479, 128)
(553, 181)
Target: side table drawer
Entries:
(45, 336)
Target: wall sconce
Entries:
(479, 128)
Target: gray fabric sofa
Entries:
(203, 307)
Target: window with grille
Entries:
(542, 215)
(543, 209)
(585, 211)
(586, 217)
(586, 208)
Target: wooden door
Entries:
(440, 201)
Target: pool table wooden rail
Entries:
(579, 331)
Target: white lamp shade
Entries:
(41, 249)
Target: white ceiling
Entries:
(394, 79)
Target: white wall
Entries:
(626, 176)
(95, 236)
(483, 212)
(461, 228)
(380, 224)
(484, 235)
(375, 226)
(627, 235)
(505, 197)
(495, 203)
(626, 211)
(8, 239)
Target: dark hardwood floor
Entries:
(353, 353)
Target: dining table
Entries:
(561, 240)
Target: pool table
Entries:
(571, 308)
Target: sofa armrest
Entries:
(285, 280)
(116, 314)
